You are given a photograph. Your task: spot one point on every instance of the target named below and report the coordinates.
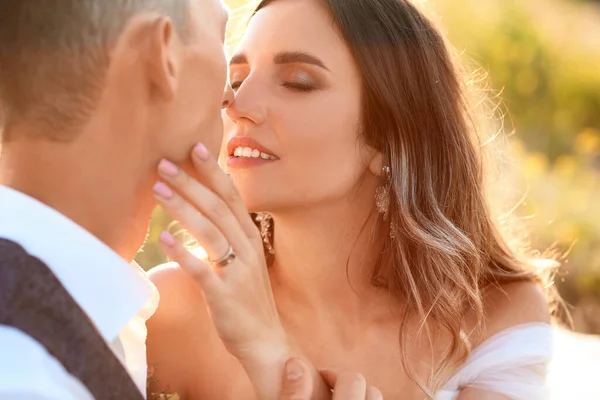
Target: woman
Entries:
(353, 130)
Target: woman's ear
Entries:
(376, 164)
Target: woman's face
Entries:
(293, 138)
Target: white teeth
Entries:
(249, 152)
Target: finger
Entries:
(329, 376)
(345, 385)
(297, 381)
(207, 202)
(373, 393)
(199, 270)
(219, 182)
(203, 230)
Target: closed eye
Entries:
(299, 87)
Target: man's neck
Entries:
(86, 185)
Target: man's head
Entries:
(93, 93)
(65, 64)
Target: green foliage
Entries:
(552, 91)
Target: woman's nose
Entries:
(248, 103)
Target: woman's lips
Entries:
(245, 152)
(247, 162)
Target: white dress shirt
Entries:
(118, 298)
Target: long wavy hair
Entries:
(422, 113)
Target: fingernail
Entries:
(168, 168)
(293, 371)
(162, 190)
(167, 239)
(201, 151)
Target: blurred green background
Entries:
(543, 61)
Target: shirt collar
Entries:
(108, 289)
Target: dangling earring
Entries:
(266, 233)
(382, 194)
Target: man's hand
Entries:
(297, 384)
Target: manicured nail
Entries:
(162, 190)
(167, 239)
(293, 371)
(201, 151)
(168, 168)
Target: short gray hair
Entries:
(54, 55)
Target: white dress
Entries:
(513, 363)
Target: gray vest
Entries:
(34, 301)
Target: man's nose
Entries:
(228, 96)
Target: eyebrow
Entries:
(286, 57)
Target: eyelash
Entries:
(298, 87)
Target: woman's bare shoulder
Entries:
(177, 290)
(513, 304)
(182, 343)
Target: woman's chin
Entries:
(256, 203)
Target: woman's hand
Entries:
(238, 294)
(237, 290)
(350, 386)
(297, 384)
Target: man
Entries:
(93, 94)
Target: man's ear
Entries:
(163, 58)
(376, 164)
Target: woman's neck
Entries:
(324, 259)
